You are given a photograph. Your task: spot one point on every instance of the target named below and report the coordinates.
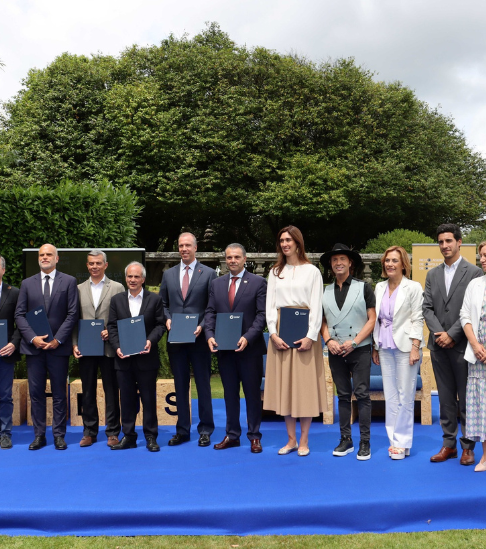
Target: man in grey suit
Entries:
(185, 289)
(444, 292)
(94, 299)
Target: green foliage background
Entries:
(243, 140)
(69, 215)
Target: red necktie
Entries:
(232, 291)
(185, 282)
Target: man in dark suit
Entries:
(242, 292)
(185, 289)
(9, 354)
(58, 294)
(94, 303)
(137, 371)
(445, 286)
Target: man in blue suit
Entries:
(242, 292)
(9, 354)
(58, 294)
(185, 289)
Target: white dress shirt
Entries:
(96, 290)
(135, 303)
(51, 276)
(449, 273)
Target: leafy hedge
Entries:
(68, 215)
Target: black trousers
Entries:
(355, 366)
(182, 357)
(37, 368)
(450, 370)
(132, 382)
(247, 369)
(88, 368)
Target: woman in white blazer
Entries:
(398, 336)
(473, 321)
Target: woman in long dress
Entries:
(294, 379)
(473, 321)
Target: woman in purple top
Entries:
(398, 336)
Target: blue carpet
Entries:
(196, 491)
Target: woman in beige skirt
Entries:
(294, 379)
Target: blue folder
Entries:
(228, 330)
(3, 333)
(132, 336)
(294, 325)
(37, 320)
(182, 328)
(89, 337)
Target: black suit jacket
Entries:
(197, 295)
(153, 315)
(8, 302)
(250, 300)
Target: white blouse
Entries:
(298, 286)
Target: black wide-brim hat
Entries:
(341, 249)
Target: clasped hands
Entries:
(342, 349)
(480, 352)
(39, 343)
(444, 340)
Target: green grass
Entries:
(445, 539)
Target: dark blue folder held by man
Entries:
(182, 328)
(294, 325)
(3, 333)
(89, 337)
(228, 330)
(132, 336)
(37, 320)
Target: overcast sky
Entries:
(435, 47)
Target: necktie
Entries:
(185, 282)
(47, 291)
(232, 291)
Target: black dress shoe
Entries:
(179, 439)
(60, 443)
(152, 445)
(125, 443)
(204, 440)
(38, 443)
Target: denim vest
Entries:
(345, 324)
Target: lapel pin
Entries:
(245, 281)
(199, 270)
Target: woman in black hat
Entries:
(294, 379)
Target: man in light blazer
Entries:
(58, 293)
(94, 303)
(445, 286)
(185, 289)
(245, 293)
(137, 372)
(9, 355)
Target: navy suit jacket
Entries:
(197, 295)
(62, 313)
(250, 299)
(153, 316)
(8, 302)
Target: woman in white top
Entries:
(294, 379)
(473, 321)
(398, 338)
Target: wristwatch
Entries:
(354, 344)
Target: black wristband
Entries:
(328, 341)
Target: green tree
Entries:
(243, 140)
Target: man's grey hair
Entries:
(96, 253)
(236, 245)
(2, 262)
(49, 244)
(138, 264)
(188, 234)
